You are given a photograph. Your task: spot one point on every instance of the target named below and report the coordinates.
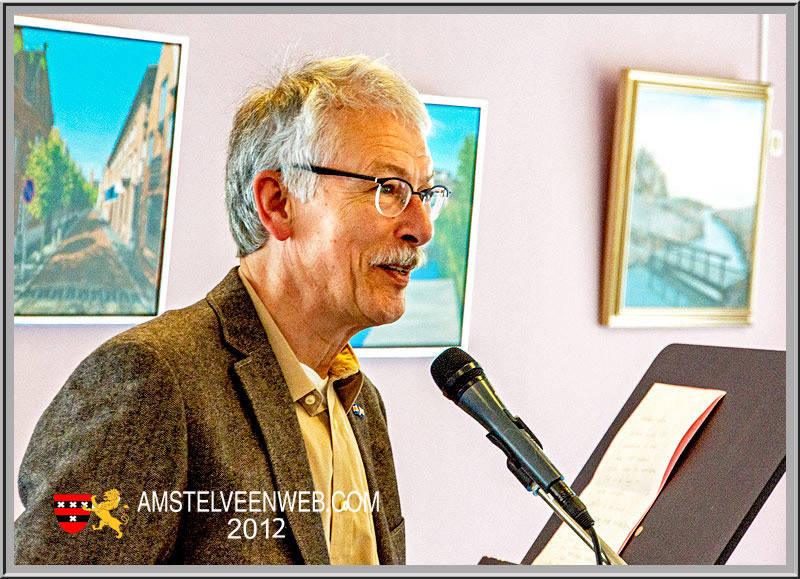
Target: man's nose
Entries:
(414, 224)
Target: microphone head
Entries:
(453, 371)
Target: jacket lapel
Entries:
(379, 516)
(265, 387)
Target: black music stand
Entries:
(725, 474)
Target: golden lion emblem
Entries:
(103, 511)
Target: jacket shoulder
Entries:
(118, 423)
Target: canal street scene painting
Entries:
(94, 122)
(436, 296)
(695, 189)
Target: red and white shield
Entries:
(69, 513)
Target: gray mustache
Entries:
(407, 257)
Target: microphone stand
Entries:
(608, 553)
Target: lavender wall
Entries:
(550, 81)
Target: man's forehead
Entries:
(387, 169)
(376, 125)
(382, 144)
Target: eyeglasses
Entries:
(393, 194)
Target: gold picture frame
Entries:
(684, 199)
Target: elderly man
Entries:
(240, 430)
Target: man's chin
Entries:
(387, 319)
(386, 313)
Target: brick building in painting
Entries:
(133, 188)
(33, 111)
(121, 182)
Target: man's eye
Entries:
(394, 187)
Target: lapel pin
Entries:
(357, 410)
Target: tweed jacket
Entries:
(193, 400)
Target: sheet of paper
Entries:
(634, 469)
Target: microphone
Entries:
(462, 380)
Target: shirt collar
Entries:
(344, 373)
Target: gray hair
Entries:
(289, 124)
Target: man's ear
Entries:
(273, 204)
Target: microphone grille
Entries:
(445, 367)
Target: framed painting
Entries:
(95, 161)
(685, 192)
(438, 295)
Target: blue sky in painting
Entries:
(450, 125)
(93, 80)
(709, 147)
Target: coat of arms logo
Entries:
(70, 512)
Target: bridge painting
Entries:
(692, 214)
(685, 191)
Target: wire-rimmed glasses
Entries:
(393, 194)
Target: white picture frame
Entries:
(104, 256)
(439, 295)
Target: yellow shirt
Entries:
(333, 455)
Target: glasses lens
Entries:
(436, 201)
(392, 197)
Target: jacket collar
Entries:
(240, 325)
